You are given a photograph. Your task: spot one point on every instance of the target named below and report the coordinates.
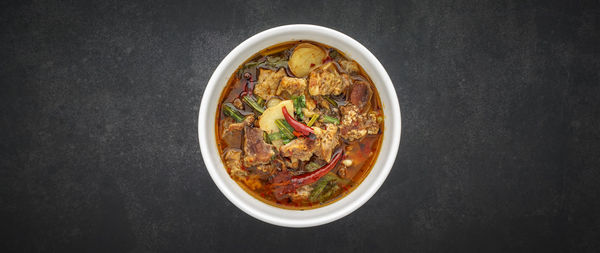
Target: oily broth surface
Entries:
(357, 172)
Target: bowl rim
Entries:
(394, 132)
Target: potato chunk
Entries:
(305, 58)
(267, 119)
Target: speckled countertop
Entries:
(500, 140)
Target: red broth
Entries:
(265, 181)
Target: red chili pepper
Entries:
(248, 85)
(248, 89)
(311, 177)
(299, 127)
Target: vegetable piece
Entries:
(299, 103)
(260, 101)
(334, 54)
(249, 65)
(274, 62)
(328, 119)
(284, 130)
(311, 177)
(305, 58)
(248, 85)
(250, 101)
(330, 100)
(320, 186)
(328, 193)
(274, 136)
(273, 102)
(278, 136)
(229, 110)
(312, 120)
(299, 127)
(287, 125)
(311, 166)
(266, 121)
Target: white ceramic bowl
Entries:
(340, 208)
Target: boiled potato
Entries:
(305, 58)
(267, 119)
(273, 102)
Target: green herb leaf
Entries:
(285, 129)
(312, 120)
(328, 119)
(229, 110)
(299, 103)
(250, 101)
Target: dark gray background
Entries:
(500, 137)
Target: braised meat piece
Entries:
(233, 162)
(301, 193)
(298, 149)
(361, 95)
(232, 131)
(238, 104)
(372, 123)
(355, 125)
(325, 80)
(256, 150)
(266, 171)
(349, 66)
(291, 86)
(327, 140)
(268, 81)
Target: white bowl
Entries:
(340, 208)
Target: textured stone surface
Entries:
(499, 152)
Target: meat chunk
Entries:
(281, 186)
(256, 150)
(266, 171)
(292, 86)
(355, 125)
(325, 80)
(301, 193)
(372, 123)
(361, 95)
(232, 131)
(327, 140)
(351, 67)
(233, 162)
(238, 104)
(298, 149)
(268, 81)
